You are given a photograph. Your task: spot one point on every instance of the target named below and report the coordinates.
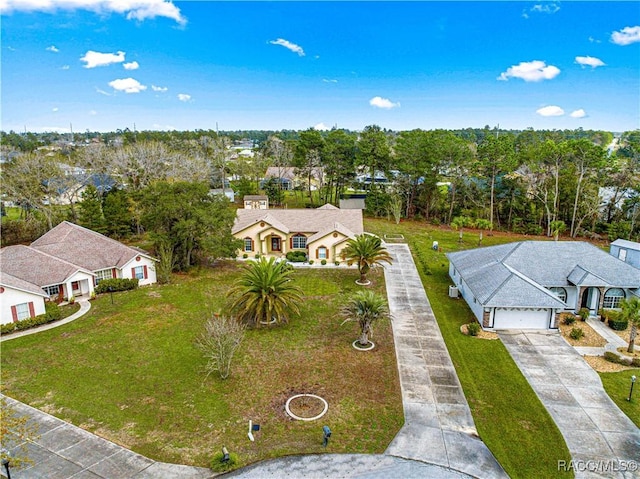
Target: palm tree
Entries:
(365, 307)
(631, 313)
(366, 251)
(265, 293)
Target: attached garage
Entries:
(519, 318)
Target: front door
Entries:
(275, 243)
(590, 299)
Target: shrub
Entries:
(257, 256)
(584, 313)
(116, 284)
(219, 342)
(52, 311)
(614, 358)
(323, 262)
(296, 256)
(245, 256)
(635, 362)
(576, 333)
(473, 329)
(310, 261)
(618, 324)
(569, 319)
(7, 328)
(337, 263)
(608, 314)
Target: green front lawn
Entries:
(509, 417)
(618, 386)
(131, 373)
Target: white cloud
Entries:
(102, 92)
(626, 36)
(594, 40)
(321, 127)
(288, 45)
(550, 110)
(590, 61)
(159, 88)
(54, 109)
(545, 8)
(184, 97)
(385, 103)
(96, 59)
(52, 48)
(578, 113)
(127, 85)
(131, 65)
(530, 71)
(133, 9)
(328, 80)
(93, 112)
(65, 67)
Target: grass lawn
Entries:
(131, 373)
(618, 386)
(509, 417)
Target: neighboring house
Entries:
(228, 192)
(321, 233)
(256, 202)
(525, 285)
(19, 299)
(39, 270)
(104, 257)
(627, 251)
(291, 177)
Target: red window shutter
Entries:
(317, 253)
(133, 273)
(253, 248)
(14, 314)
(291, 242)
(114, 273)
(32, 311)
(145, 272)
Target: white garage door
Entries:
(505, 318)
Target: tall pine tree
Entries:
(91, 210)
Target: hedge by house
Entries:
(116, 284)
(52, 313)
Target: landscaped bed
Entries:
(509, 417)
(131, 372)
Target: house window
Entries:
(103, 274)
(248, 244)
(321, 253)
(561, 293)
(22, 311)
(138, 272)
(52, 290)
(299, 242)
(612, 298)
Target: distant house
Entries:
(256, 202)
(68, 261)
(627, 251)
(525, 285)
(321, 233)
(290, 178)
(228, 192)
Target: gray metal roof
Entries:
(517, 274)
(626, 244)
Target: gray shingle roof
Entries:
(85, 248)
(627, 244)
(308, 221)
(516, 274)
(36, 267)
(11, 281)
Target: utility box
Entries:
(453, 292)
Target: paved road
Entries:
(593, 427)
(439, 428)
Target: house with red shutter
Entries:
(68, 261)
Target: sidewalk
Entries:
(85, 306)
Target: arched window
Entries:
(299, 241)
(248, 244)
(561, 293)
(612, 298)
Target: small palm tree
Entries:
(557, 228)
(265, 293)
(631, 313)
(365, 307)
(365, 251)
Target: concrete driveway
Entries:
(602, 440)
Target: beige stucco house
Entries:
(321, 233)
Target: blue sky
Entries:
(104, 65)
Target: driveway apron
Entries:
(602, 440)
(439, 428)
